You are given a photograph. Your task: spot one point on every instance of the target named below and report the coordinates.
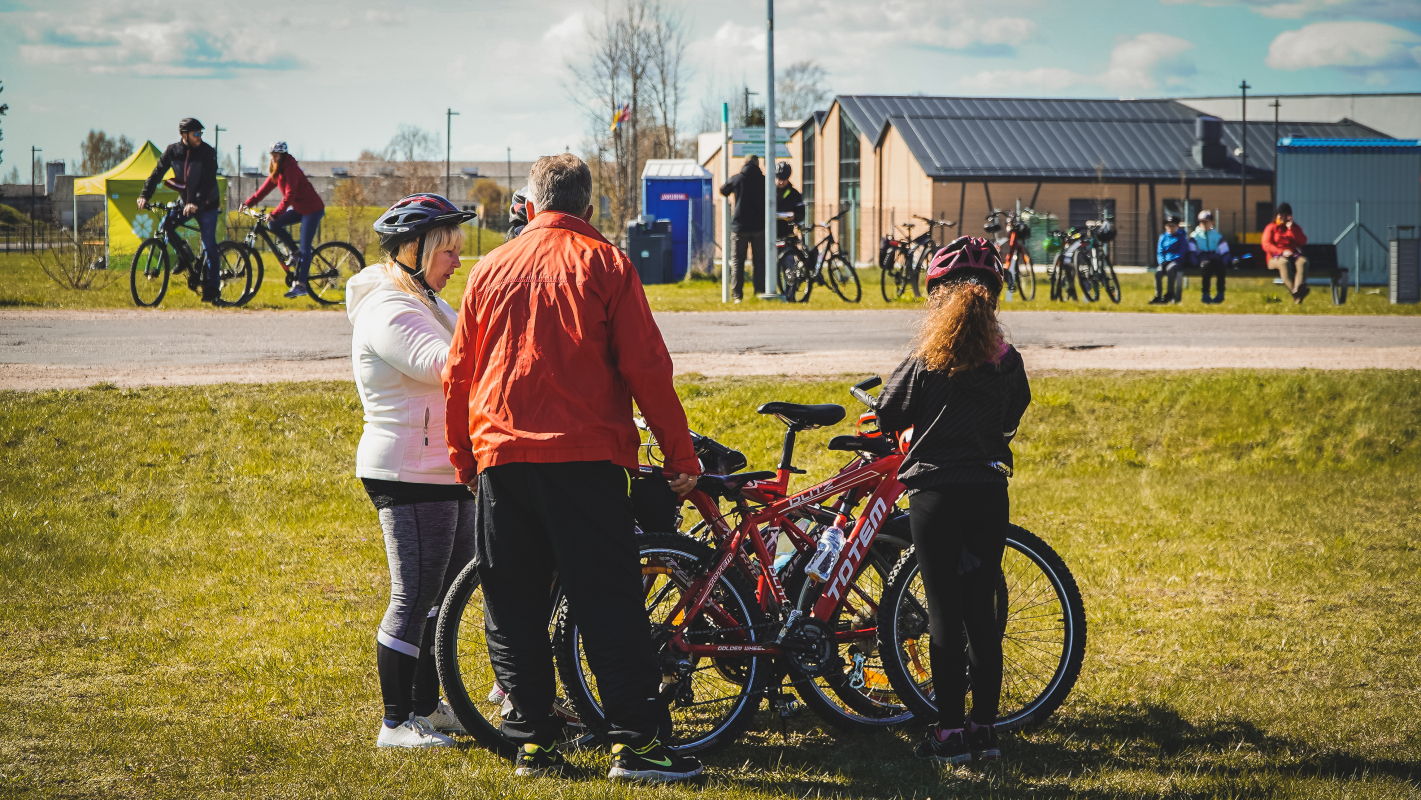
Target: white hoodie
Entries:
(398, 350)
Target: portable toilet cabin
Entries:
(679, 190)
(1352, 193)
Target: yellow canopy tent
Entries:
(125, 226)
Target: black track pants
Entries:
(960, 531)
(575, 520)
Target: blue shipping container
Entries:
(1333, 183)
(679, 191)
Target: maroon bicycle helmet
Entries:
(967, 258)
(412, 218)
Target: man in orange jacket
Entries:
(1283, 241)
(555, 340)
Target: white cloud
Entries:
(1039, 80)
(1348, 45)
(1142, 63)
(1297, 9)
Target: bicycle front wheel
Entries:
(1087, 276)
(148, 273)
(1043, 633)
(465, 674)
(844, 279)
(794, 277)
(234, 274)
(1109, 279)
(716, 700)
(1025, 275)
(332, 264)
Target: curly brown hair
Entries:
(961, 331)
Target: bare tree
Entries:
(74, 262)
(669, 73)
(100, 152)
(350, 197)
(415, 150)
(800, 90)
(4, 109)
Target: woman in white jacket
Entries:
(400, 343)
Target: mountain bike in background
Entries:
(1021, 273)
(1062, 273)
(152, 265)
(824, 264)
(332, 263)
(902, 260)
(1093, 265)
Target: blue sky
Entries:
(335, 77)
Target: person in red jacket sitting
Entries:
(555, 340)
(299, 203)
(1283, 241)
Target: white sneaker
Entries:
(443, 720)
(416, 732)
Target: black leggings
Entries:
(959, 531)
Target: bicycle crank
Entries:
(809, 644)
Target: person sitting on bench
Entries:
(1283, 242)
(1172, 254)
(1211, 252)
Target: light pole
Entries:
(771, 207)
(217, 143)
(239, 172)
(1243, 158)
(34, 159)
(449, 116)
(724, 204)
(1276, 105)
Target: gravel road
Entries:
(64, 349)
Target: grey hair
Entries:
(561, 183)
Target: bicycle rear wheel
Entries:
(1059, 278)
(465, 674)
(1087, 275)
(894, 278)
(148, 273)
(712, 706)
(332, 264)
(1043, 639)
(843, 278)
(1025, 274)
(234, 274)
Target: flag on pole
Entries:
(621, 115)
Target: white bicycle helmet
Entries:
(279, 147)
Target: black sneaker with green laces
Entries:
(983, 742)
(655, 763)
(535, 762)
(951, 750)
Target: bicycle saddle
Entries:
(801, 417)
(730, 485)
(867, 444)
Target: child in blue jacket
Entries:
(1172, 254)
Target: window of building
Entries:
(1090, 209)
(807, 179)
(849, 184)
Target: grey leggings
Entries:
(428, 544)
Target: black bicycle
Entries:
(902, 260)
(823, 264)
(332, 263)
(1021, 274)
(151, 268)
(1093, 264)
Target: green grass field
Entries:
(192, 578)
(22, 284)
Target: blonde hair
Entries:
(961, 331)
(448, 238)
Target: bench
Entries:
(1249, 262)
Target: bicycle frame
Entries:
(262, 229)
(171, 222)
(848, 484)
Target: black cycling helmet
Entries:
(190, 125)
(783, 170)
(412, 218)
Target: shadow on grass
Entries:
(1103, 752)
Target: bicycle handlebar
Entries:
(860, 391)
(943, 222)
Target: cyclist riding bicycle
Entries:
(299, 203)
(963, 391)
(400, 343)
(788, 200)
(194, 166)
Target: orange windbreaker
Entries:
(1277, 240)
(555, 339)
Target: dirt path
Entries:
(43, 349)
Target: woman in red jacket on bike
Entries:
(299, 203)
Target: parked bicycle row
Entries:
(654, 597)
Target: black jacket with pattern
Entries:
(961, 424)
(193, 167)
